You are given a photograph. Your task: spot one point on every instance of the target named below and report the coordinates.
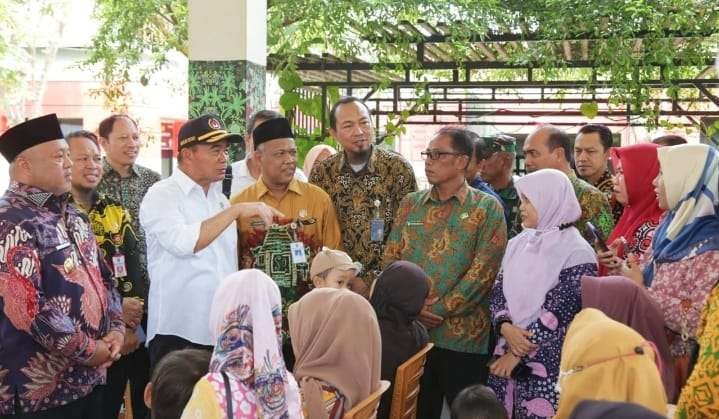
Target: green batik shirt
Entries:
(129, 192)
(606, 185)
(595, 208)
(112, 226)
(459, 243)
(387, 178)
(511, 200)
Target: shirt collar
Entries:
(107, 169)
(186, 183)
(371, 165)
(38, 196)
(294, 186)
(460, 194)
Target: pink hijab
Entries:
(536, 256)
(312, 155)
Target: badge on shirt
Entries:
(376, 224)
(376, 229)
(298, 253)
(118, 265)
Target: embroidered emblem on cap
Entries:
(214, 123)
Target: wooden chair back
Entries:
(406, 385)
(367, 408)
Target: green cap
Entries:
(501, 142)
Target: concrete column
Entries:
(228, 59)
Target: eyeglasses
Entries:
(437, 154)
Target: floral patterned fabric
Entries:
(595, 208)
(536, 396)
(334, 402)
(459, 244)
(700, 396)
(56, 299)
(606, 186)
(387, 178)
(681, 289)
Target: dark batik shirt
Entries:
(386, 178)
(112, 225)
(606, 185)
(56, 299)
(129, 192)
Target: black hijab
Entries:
(398, 297)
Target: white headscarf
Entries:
(535, 257)
(246, 324)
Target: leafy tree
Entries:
(677, 39)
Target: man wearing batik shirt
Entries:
(457, 234)
(60, 316)
(119, 248)
(548, 147)
(366, 185)
(591, 156)
(123, 180)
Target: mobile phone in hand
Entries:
(597, 237)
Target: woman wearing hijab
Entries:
(599, 409)
(399, 294)
(605, 360)
(700, 396)
(317, 154)
(337, 344)
(628, 303)
(247, 376)
(537, 294)
(684, 263)
(635, 167)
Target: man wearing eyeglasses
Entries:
(457, 234)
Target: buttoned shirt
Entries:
(386, 179)
(302, 201)
(129, 192)
(242, 178)
(57, 298)
(182, 281)
(595, 209)
(459, 243)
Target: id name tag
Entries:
(376, 229)
(118, 265)
(298, 253)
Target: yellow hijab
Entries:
(605, 360)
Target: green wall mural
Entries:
(234, 90)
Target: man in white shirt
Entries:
(191, 238)
(246, 171)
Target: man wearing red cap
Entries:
(60, 314)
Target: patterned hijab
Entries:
(336, 340)
(535, 257)
(246, 323)
(640, 165)
(690, 173)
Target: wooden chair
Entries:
(406, 385)
(367, 408)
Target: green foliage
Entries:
(130, 31)
(677, 35)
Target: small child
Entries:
(477, 402)
(173, 381)
(333, 269)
